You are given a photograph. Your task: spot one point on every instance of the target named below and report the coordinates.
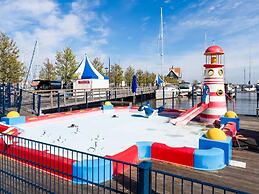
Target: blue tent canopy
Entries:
(86, 70)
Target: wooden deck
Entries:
(244, 179)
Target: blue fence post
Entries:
(39, 104)
(193, 96)
(145, 177)
(19, 101)
(33, 101)
(3, 97)
(8, 95)
(58, 102)
(163, 95)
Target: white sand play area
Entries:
(101, 134)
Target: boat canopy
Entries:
(86, 70)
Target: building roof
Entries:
(215, 49)
(177, 71)
(86, 70)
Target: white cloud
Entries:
(54, 29)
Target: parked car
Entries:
(185, 89)
(46, 84)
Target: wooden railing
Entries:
(49, 99)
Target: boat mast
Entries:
(244, 75)
(32, 57)
(249, 82)
(161, 39)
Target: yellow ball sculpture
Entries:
(107, 103)
(12, 114)
(216, 134)
(231, 114)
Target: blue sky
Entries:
(127, 31)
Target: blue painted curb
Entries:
(13, 121)
(209, 159)
(92, 171)
(144, 149)
(205, 143)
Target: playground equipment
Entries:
(12, 114)
(185, 117)
(214, 79)
(230, 114)
(213, 103)
(216, 134)
(13, 118)
(149, 111)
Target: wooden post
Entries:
(74, 91)
(86, 99)
(65, 97)
(173, 100)
(58, 102)
(163, 96)
(51, 99)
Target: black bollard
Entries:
(33, 101)
(39, 104)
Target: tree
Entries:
(140, 77)
(171, 80)
(116, 76)
(11, 69)
(66, 65)
(151, 77)
(98, 65)
(48, 72)
(128, 74)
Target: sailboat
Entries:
(164, 90)
(250, 87)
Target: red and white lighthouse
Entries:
(214, 79)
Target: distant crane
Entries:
(32, 57)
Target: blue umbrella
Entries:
(134, 84)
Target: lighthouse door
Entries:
(205, 95)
